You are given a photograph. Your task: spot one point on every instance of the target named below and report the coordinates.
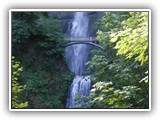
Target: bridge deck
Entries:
(86, 39)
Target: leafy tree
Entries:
(132, 40)
(17, 88)
(36, 29)
(120, 75)
(52, 40)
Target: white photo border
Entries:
(74, 10)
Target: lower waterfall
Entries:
(81, 85)
(77, 55)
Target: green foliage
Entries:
(47, 89)
(37, 42)
(132, 40)
(52, 44)
(39, 30)
(17, 89)
(19, 31)
(120, 77)
(23, 26)
(104, 95)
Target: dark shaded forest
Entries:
(37, 42)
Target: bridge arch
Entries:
(90, 43)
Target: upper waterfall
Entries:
(77, 55)
(79, 25)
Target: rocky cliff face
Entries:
(66, 19)
(94, 17)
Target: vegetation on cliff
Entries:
(37, 43)
(120, 78)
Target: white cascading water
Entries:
(77, 55)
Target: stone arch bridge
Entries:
(86, 40)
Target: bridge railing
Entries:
(82, 39)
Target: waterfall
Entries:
(77, 55)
